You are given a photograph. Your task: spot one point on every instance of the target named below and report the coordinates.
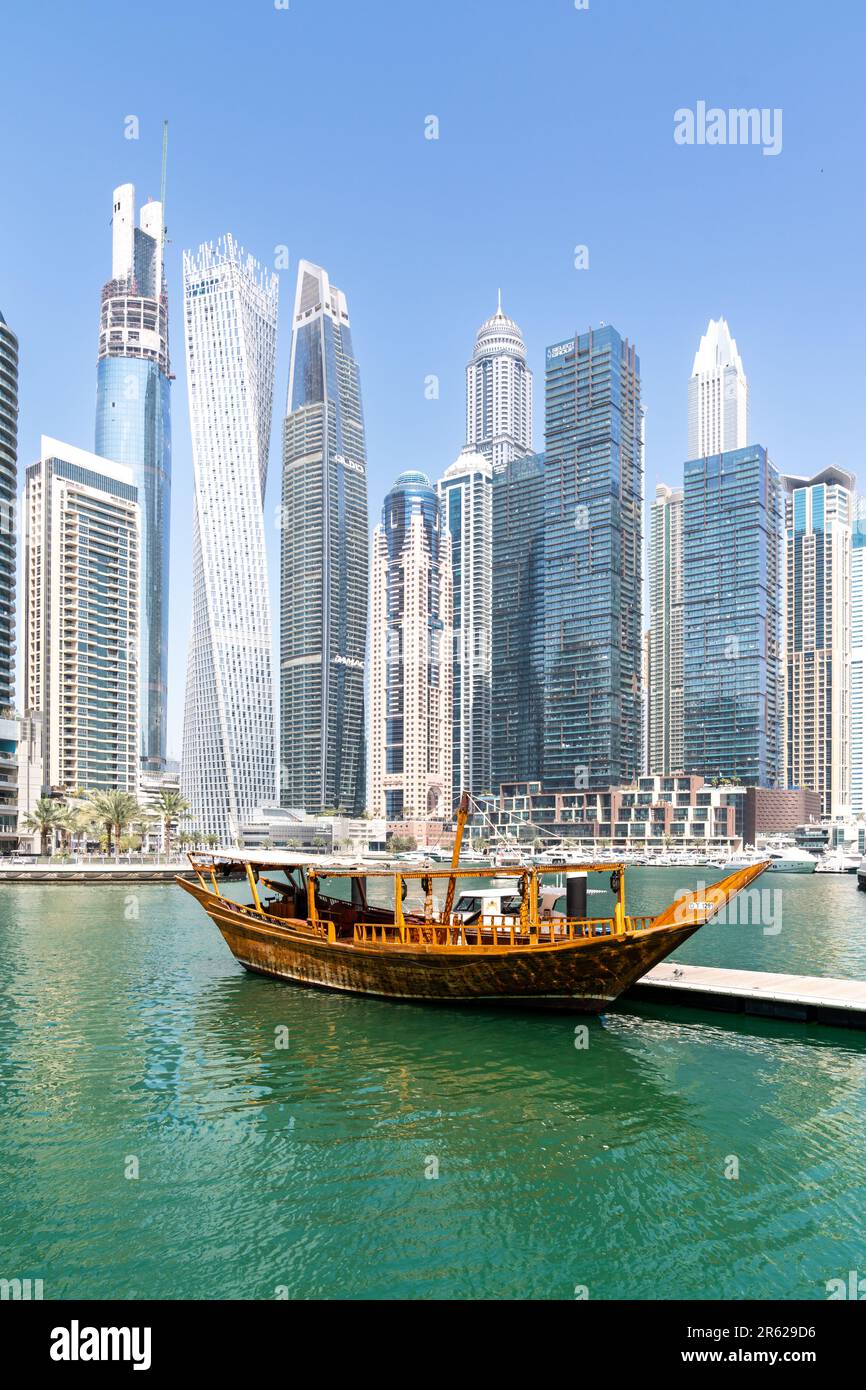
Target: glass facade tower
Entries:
(325, 563)
(133, 427)
(518, 621)
(732, 595)
(228, 769)
(8, 502)
(593, 498)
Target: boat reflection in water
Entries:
(521, 944)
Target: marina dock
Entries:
(90, 873)
(803, 998)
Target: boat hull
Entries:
(575, 976)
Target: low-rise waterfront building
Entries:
(8, 784)
(288, 827)
(651, 814)
(778, 811)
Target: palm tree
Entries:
(43, 820)
(67, 824)
(170, 807)
(80, 823)
(115, 810)
(143, 822)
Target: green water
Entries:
(127, 1036)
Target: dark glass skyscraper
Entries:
(133, 427)
(8, 494)
(593, 493)
(325, 558)
(732, 595)
(518, 621)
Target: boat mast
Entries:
(462, 817)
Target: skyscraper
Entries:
(718, 395)
(818, 706)
(499, 392)
(133, 427)
(81, 607)
(325, 558)
(857, 669)
(8, 498)
(518, 621)
(465, 500)
(732, 594)
(592, 588)
(229, 755)
(666, 632)
(411, 656)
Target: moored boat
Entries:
(517, 944)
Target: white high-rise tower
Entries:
(229, 757)
(466, 505)
(718, 395)
(499, 393)
(666, 632)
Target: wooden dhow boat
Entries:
(522, 944)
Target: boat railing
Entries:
(639, 923)
(488, 931)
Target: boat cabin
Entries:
(352, 901)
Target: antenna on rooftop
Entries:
(162, 179)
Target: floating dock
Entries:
(803, 998)
(93, 873)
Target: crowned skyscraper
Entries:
(499, 392)
(325, 558)
(718, 395)
(230, 309)
(133, 427)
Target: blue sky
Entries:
(305, 127)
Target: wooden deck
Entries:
(803, 998)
